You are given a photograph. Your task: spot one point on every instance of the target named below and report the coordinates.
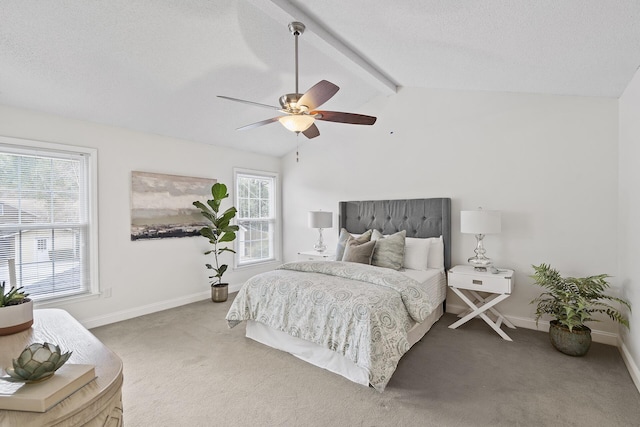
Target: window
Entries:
(47, 231)
(257, 218)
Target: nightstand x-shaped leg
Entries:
(487, 304)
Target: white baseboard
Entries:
(632, 367)
(94, 322)
(602, 337)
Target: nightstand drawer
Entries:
(466, 278)
(498, 285)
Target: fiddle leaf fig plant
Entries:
(573, 301)
(218, 230)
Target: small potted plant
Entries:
(572, 302)
(218, 230)
(16, 310)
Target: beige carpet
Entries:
(184, 367)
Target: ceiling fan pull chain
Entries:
(297, 147)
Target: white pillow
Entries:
(416, 253)
(436, 253)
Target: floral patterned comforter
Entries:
(360, 311)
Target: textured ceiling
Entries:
(157, 65)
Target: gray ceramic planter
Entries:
(574, 343)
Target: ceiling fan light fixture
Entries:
(297, 122)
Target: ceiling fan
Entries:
(300, 109)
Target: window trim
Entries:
(277, 237)
(27, 147)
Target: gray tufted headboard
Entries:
(419, 217)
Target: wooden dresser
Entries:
(99, 403)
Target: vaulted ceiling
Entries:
(157, 65)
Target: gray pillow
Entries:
(344, 238)
(358, 252)
(389, 250)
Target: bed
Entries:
(357, 319)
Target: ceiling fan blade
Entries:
(320, 93)
(257, 104)
(258, 124)
(351, 118)
(312, 132)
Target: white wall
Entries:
(142, 276)
(549, 163)
(629, 212)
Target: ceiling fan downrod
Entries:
(296, 28)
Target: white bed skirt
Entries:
(323, 357)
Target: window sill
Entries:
(258, 264)
(71, 299)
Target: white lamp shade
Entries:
(320, 219)
(297, 122)
(480, 222)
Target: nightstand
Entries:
(466, 282)
(316, 256)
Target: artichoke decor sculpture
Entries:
(37, 362)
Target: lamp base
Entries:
(320, 246)
(480, 263)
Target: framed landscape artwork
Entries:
(161, 205)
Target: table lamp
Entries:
(320, 220)
(480, 222)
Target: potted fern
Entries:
(16, 310)
(218, 230)
(572, 302)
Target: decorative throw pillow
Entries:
(389, 250)
(358, 252)
(344, 238)
(416, 253)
